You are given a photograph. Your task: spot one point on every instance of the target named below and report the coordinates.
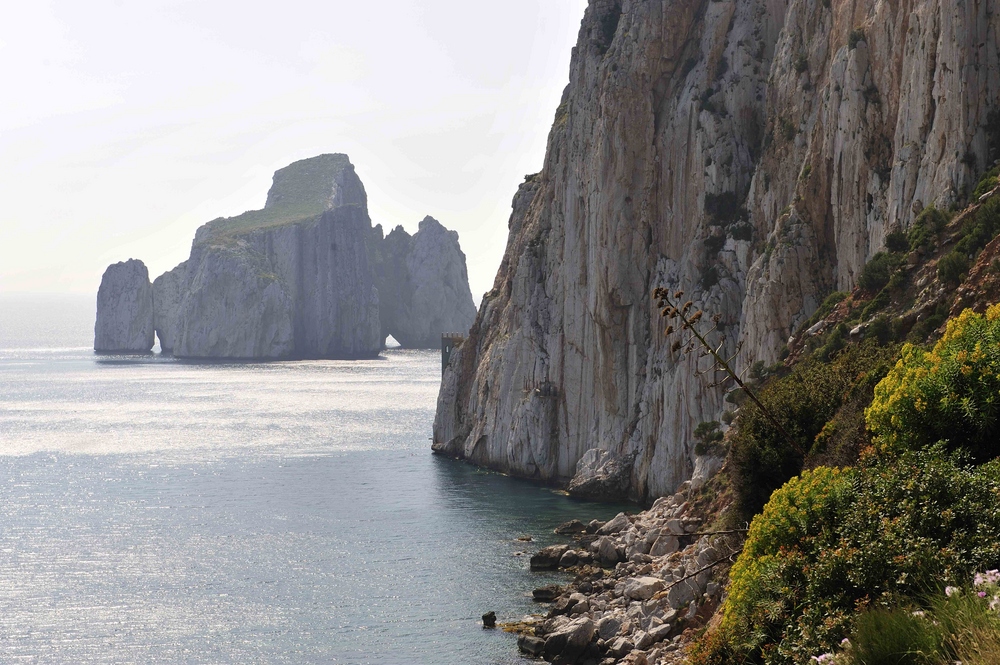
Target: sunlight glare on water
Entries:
(158, 511)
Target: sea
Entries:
(154, 510)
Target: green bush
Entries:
(986, 183)
(708, 436)
(897, 242)
(980, 228)
(765, 583)
(950, 393)
(877, 272)
(857, 35)
(832, 544)
(926, 227)
(760, 458)
(825, 308)
(877, 304)
(901, 636)
(952, 268)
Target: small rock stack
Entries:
(641, 581)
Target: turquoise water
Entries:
(158, 511)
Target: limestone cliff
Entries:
(124, 309)
(290, 280)
(299, 278)
(753, 153)
(423, 285)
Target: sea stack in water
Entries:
(423, 285)
(300, 278)
(124, 309)
(290, 280)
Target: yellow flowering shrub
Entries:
(791, 526)
(951, 393)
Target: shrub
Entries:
(801, 63)
(825, 308)
(877, 304)
(760, 459)
(795, 525)
(926, 227)
(708, 436)
(899, 636)
(724, 208)
(952, 268)
(857, 35)
(950, 393)
(788, 130)
(897, 242)
(831, 544)
(986, 183)
(876, 273)
(981, 227)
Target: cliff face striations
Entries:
(423, 284)
(290, 280)
(754, 153)
(300, 278)
(124, 309)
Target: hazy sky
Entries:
(127, 124)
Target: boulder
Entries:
(608, 627)
(569, 558)
(531, 645)
(607, 552)
(665, 545)
(124, 309)
(602, 475)
(643, 588)
(616, 525)
(490, 620)
(570, 643)
(548, 558)
(570, 528)
(546, 594)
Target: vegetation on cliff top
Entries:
(301, 191)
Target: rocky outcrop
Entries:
(646, 604)
(423, 285)
(124, 309)
(300, 278)
(291, 280)
(753, 153)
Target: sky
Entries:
(126, 124)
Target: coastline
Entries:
(644, 585)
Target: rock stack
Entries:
(300, 278)
(124, 309)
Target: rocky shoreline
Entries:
(644, 585)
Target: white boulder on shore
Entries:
(124, 309)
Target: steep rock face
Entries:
(291, 280)
(754, 153)
(124, 309)
(424, 285)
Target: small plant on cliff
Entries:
(687, 321)
(926, 227)
(856, 37)
(952, 268)
(708, 437)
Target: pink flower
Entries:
(951, 591)
(981, 594)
